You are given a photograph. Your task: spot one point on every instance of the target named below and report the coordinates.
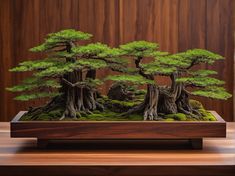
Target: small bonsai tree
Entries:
(205, 85)
(68, 73)
(143, 74)
(174, 98)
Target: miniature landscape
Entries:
(67, 78)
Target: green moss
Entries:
(169, 119)
(124, 103)
(44, 117)
(135, 117)
(177, 116)
(109, 115)
(25, 117)
(195, 104)
(55, 113)
(207, 116)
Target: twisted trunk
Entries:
(182, 99)
(166, 103)
(74, 95)
(167, 97)
(74, 98)
(150, 104)
(91, 95)
(79, 98)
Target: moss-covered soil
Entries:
(113, 110)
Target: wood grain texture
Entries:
(117, 129)
(176, 25)
(132, 158)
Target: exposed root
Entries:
(151, 103)
(136, 109)
(150, 113)
(99, 106)
(149, 106)
(53, 104)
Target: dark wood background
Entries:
(176, 25)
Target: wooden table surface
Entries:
(21, 157)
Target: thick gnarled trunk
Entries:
(79, 98)
(166, 103)
(151, 103)
(149, 106)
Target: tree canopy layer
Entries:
(67, 76)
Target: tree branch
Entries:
(141, 72)
(77, 84)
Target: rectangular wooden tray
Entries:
(93, 130)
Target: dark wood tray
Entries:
(195, 131)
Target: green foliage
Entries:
(60, 39)
(134, 79)
(202, 73)
(27, 97)
(174, 60)
(91, 63)
(96, 50)
(92, 83)
(156, 68)
(102, 53)
(213, 92)
(159, 53)
(59, 69)
(139, 48)
(200, 56)
(200, 81)
(62, 54)
(26, 86)
(67, 57)
(34, 65)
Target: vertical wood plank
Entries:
(192, 29)
(26, 35)
(100, 18)
(6, 47)
(152, 20)
(192, 24)
(219, 39)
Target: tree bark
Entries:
(151, 102)
(91, 95)
(149, 106)
(74, 95)
(166, 102)
(182, 98)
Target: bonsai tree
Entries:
(174, 98)
(67, 74)
(205, 85)
(143, 74)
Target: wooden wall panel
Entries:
(176, 25)
(220, 39)
(6, 61)
(192, 27)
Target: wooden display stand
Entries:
(194, 131)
